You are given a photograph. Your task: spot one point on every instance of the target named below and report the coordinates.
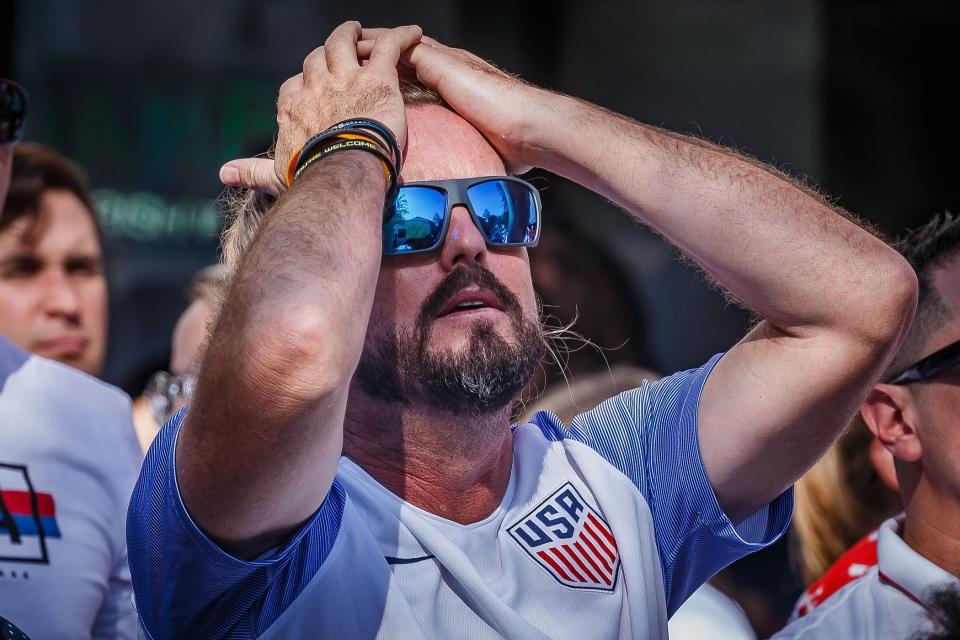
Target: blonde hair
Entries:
(837, 502)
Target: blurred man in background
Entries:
(68, 456)
(914, 413)
(167, 391)
(53, 291)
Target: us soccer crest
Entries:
(570, 540)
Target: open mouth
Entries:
(471, 300)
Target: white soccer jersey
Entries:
(68, 462)
(603, 531)
(890, 600)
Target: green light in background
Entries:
(146, 217)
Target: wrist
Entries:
(546, 133)
(358, 134)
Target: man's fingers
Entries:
(429, 62)
(388, 47)
(251, 173)
(314, 64)
(291, 85)
(341, 47)
(431, 41)
(365, 48)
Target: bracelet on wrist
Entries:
(350, 144)
(366, 134)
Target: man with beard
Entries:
(296, 499)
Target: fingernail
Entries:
(229, 174)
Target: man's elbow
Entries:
(893, 302)
(296, 354)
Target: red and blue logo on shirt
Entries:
(570, 540)
(27, 517)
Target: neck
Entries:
(932, 525)
(457, 467)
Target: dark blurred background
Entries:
(151, 98)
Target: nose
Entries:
(61, 298)
(464, 242)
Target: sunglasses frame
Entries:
(455, 192)
(15, 88)
(929, 367)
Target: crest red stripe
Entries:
(599, 540)
(562, 558)
(570, 552)
(606, 532)
(597, 554)
(553, 563)
(586, 556)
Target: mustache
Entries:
(459, 279)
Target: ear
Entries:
(882, 461)
(889, 413)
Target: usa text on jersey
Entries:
(571, 540)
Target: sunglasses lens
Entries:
(414, 220)
(13, 112)
(507, 211)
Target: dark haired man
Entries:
(68, 460)
(348, 467)
(913, 412)
(53, 291)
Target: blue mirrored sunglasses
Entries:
(505, 209)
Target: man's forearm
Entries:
(265, 428)
(836, 300)
(750, 227)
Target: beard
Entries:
(485, 377)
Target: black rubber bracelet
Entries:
(323, 138)
(377, 127)
(351, 145)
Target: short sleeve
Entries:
(650, 435)
(186, 586)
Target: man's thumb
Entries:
(251, 173)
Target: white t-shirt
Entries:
(68, 462)
(604, 530)
(890, 600)
(709, 613)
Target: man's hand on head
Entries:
(499, 105)
(333, 87)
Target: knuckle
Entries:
(314, 57)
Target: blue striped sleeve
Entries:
(186, 586)
(650, 435)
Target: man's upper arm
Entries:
(650, 435)
(186, 585)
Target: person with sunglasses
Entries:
(913, 412)
(68, 462)
(347, 466)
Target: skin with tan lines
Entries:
(275, 408)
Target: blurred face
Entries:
(456, 328)
(938, 399)
(53, 295)
(189, 336)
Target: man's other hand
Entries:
(501, 106)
